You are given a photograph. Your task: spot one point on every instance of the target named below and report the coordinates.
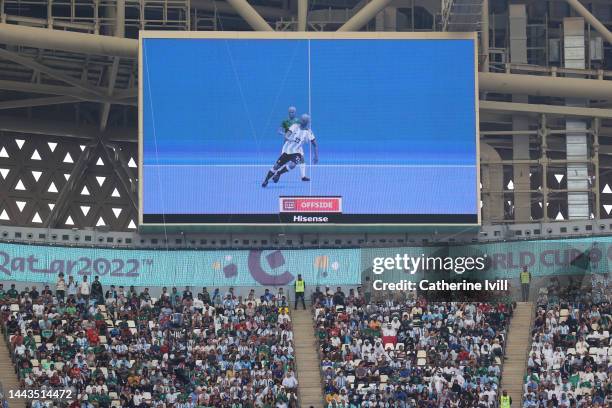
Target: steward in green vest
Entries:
(300, 288)
(525, 277)
(505, 401)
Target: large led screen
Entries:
(323, 129)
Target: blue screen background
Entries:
(387, 114)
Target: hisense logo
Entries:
(301, 218)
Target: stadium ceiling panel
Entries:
(34, 189)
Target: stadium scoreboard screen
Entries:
(273, 129)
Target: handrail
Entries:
(525, 364)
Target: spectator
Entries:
(85, 289)
(137, 351)
(96, 290)
(409, 353)
(60, 287)
(72, 286)
(568, 363)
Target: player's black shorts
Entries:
(285, 158)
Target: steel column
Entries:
(576, 138)
(484, 35)
(491, 177)
(544, 146)
(520, 145)
(302, 15)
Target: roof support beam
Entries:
(33, 102)
(250, 15)
(363, 16)
(11, 123)
(121, 97)
(221, 7)
(590, 18)
(545, 86)
(57, 74)
(68, 41)
(548, 109)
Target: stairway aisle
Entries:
(8, 378)
(518, 345)
(307, 360)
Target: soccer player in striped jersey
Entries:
(293, 151)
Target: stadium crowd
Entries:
(570, 362)
(121, 347)
(408, 352)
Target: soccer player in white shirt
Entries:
(293, 151)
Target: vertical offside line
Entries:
(310, 113)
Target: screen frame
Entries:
(301, 36)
